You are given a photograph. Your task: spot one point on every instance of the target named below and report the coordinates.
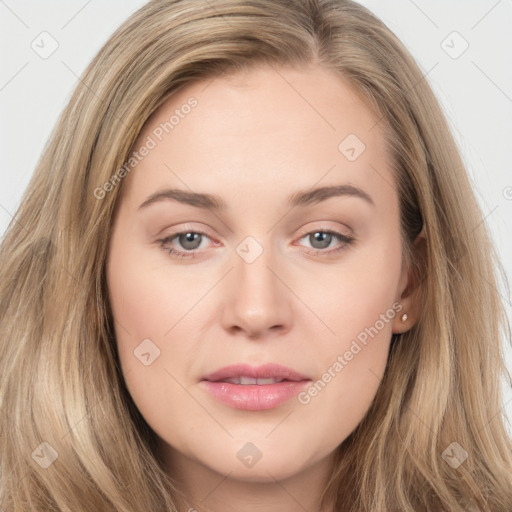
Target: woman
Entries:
(330, 338)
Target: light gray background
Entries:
(474, 87)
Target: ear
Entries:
(409, 288)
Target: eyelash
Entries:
(345, 239)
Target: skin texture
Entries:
(254, 139)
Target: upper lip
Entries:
(266, 371)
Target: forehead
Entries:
(282, 128)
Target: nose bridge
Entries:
(256, 300)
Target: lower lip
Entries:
(254, 397)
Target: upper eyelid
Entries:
(303, 231)
(325, 229)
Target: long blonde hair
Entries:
(71, 438)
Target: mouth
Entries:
(254, 388)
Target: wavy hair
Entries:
(71, 438)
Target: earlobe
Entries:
(410, 289)
(403, 321)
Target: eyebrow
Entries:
(216, 203)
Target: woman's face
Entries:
(292, 258)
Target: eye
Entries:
(321, 239)
(188, 240)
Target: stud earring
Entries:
(404, 317)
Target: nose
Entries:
(257, 301)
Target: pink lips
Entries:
(254, 388)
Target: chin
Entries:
(243, 461)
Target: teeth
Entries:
(267, 381)
(246, 381)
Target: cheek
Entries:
(352, 298)
(150, 306)
(147, 299)
(358, 304)
(351, 369)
